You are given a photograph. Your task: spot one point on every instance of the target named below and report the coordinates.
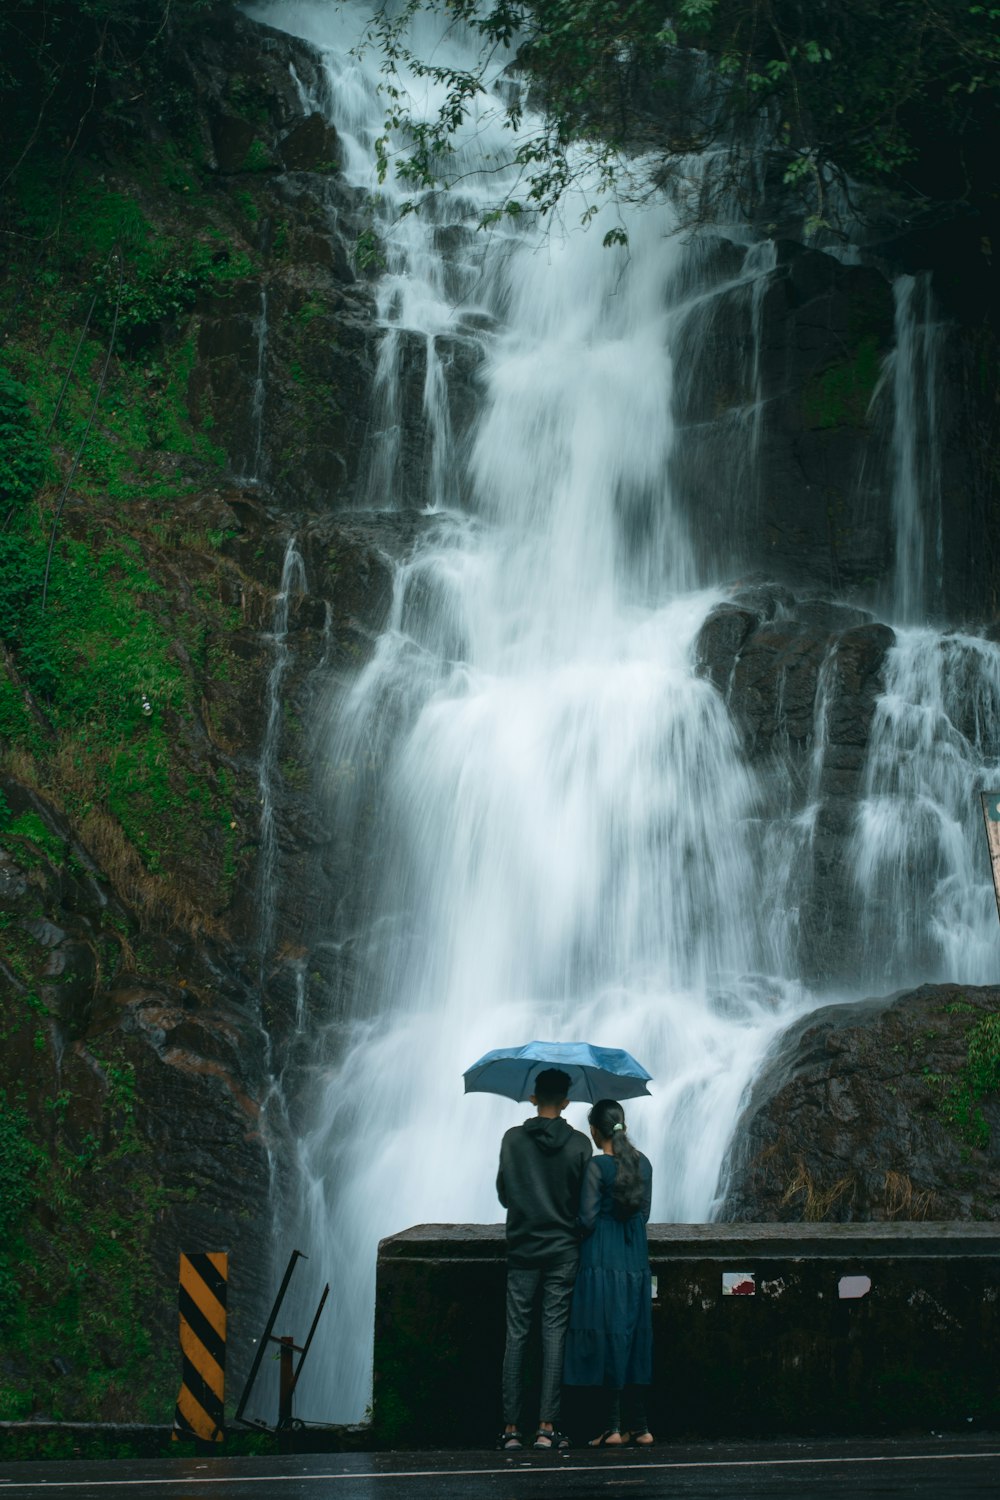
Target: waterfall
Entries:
(562, 836)
(259, 395)
(928, 905)
(916, 458)
(293, 581)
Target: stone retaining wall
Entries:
(759, 1330)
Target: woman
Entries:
(610, 1338)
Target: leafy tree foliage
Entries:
(902, 92)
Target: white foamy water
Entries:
(928, 902)
(563, 839)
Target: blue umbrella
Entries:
(594, 1072)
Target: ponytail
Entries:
(608, 1118)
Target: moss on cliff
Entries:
(77, 1277)
(127, 801)
(116, 603)
(959, 1098)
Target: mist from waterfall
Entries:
(563, 837)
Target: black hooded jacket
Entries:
(542, 1163)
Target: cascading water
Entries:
(259, 395)
(916, 461)
(934, 745)
(293, 582)
(563, 839)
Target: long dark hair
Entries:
(608, 1118)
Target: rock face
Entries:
(139, 1114)
(874, 1110)
(291, 362)
(285, 359)
(801, 676)
(795, 365)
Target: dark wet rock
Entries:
(854, 1116)
(353, 573)
(285, 360)
(791, 376)
(232, 139)
(69, 977)
(857, 680)
(720, 640)
(310, 145)
(764, 599)
(802, 679)
(156, 1084)
(773, 688)
(429, 617)
(829, 615)
(766, 653)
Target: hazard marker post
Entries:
(201, 1300)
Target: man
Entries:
(542, 1163)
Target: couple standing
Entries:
(576, 1236)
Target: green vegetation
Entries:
(97, 668)
(368, 252)
(258, 158)
(139, 281)
(101, 664)
(903, 92)
(117, 609)
(20, 1159)
(24, 454)
(77, 1278)
(959, 1098)
(32, 839)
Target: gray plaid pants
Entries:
(555, 1283)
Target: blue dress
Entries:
(610, 1337)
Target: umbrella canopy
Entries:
(594, 1072)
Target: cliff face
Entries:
(188, 382)
(887, 1109)
(144, 1030)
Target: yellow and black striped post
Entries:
(202, 1304)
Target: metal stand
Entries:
(289, 1370)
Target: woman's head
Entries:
(607, 1124)
(607, 1119)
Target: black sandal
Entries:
(508, 1441)
(604, 1440)
(544, 1439)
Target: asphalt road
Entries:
(934, 1469)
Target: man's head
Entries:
(551, 1090)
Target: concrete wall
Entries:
(788, 1353)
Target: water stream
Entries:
(293, 582)
(565, 840)
(916, 459)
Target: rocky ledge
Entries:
(879, 1109)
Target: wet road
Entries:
(931, 1469)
